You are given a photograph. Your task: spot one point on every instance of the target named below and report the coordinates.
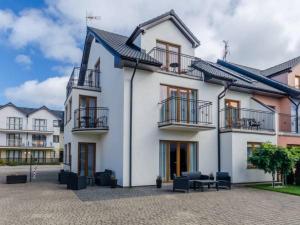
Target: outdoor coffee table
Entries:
(201, 183)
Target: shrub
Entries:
(2, 162)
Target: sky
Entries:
(41, 41)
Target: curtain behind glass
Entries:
(193, 157)
(163, 161)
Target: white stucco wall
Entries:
(237, 153)
(168, 32)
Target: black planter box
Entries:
(113, 183)
(63, 177)
(16, 179)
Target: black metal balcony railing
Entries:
(14, 142)
(288, 123)
(185, 111)
(92, 80)
(91, 117)
(40, 144)
(176, 62)
(247, 119)
(39, 128)
(26, 161)
(14, 126)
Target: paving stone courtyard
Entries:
(46, 202)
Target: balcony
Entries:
(17, 143)
(14, 143)
(241, 119)
(91, 81)
(177, 63)
(91, 120)
(288, 123)
(178, 113)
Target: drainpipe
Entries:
(297, 107)
(130, 124)
(220, 96)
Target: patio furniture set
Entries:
(197, 181)
(77, 182)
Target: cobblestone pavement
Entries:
(46, 202)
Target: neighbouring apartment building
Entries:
(145, 105)
(27, 133)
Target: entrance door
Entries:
(177, 157)
(232, 113)
(86, 159)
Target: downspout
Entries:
(130, 124)
(297, 107)
(220, 96)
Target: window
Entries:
(14, 140)
(56, 123)
(14, 123)
(251, 146)
(178, 105)
(97, 73)
(169, 55)
(70, 109)
(55, 138)
(66, 114)
(297, 82)
(39, 140)
(40, 124)
(65, 153)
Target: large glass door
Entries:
(232, 113)
(87, 157)
(176, 157)
(87, 111)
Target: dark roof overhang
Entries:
(171, 15)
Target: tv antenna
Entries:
(226, 50)
(89, 17)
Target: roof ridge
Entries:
(298, 57)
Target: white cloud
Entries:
(50, 92)
(34, 27)
(260, 33)
(24, 60)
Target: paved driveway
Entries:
(45, 202)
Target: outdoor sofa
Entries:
(103, 178)
(186, 180)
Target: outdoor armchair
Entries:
(224, 180)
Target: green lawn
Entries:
(289, 189)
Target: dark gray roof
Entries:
(261, 78)
(239, 80)
(174, 18)
(116, 44)
(272, 70)
(26, 110)
(281, 67)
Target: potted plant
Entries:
(211, 176)
(113, 181)
(158, 182)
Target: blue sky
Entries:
(40, 41)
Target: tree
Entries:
(264, 158)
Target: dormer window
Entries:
(169, 55)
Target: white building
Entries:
(145, 106)
(26, 132)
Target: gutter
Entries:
(130, 123)
(220, 96)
